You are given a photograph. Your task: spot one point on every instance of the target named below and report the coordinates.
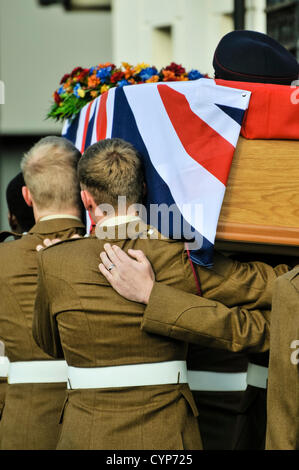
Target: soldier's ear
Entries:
(27, 196)
(87, 200)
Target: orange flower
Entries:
(153, 79)
(93, 81)
(169, 76)
(128, 73)
(94, 94)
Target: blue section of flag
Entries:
(71, 133)
(124, 127)
(236, 114)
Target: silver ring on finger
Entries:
(111, 267)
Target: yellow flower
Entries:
(139, 67)
(93, 94)
(104, 88)
(81, 93)
(126, 65)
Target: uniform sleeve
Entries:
(240, 284)
(233, 313)
(44, 327)
(283, 381)
(194, 319)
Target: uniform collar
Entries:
(59, 216)
(119, 220)
(56, 225)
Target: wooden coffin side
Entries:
(261, 204)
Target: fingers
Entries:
(39, 247)
(138, 255)
(105, 260)
(112, 255)
(122, 256)
(105, 272)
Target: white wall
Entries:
(38, 45)
(196, 28)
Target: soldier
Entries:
(127, 389)
(283, 382)
(20, 218)
(110, 404)
(36, 389)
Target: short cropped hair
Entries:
(112, 168)
(50, 173)
(17, 205)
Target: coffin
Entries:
(260, 211)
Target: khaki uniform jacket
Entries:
(31, 413)
(80, 316)
(239, 325)
(283, 380)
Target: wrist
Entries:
(148, 293)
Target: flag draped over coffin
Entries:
(186, 133)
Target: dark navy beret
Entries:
(249, 56)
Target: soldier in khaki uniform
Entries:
(283, 381)
(21, 219)
(98, 332)
(128, 389)
(36, 389)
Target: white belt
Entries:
(207, 381)
(37, 372)
(4, 366)
(133, 375)
(257, 376)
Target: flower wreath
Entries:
(83, 85)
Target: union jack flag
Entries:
(186, 134)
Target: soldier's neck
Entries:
(39, 214)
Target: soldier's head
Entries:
(109, 169)
(20, 216)
(250, 56)
(50, 174)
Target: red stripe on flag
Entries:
(85, 127)
(102, 117)
(200, 141)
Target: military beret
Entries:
(249, 56)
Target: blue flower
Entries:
(194, 74)
(60, 90)
(147, 73)
(122, 83)
(76, 89)
(92, 69)
(104, 73)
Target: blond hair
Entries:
(50, 173)
(112, 168)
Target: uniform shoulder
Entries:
(66, 246)
(290, 277)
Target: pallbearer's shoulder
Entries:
(291, 276)
(68, 247)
